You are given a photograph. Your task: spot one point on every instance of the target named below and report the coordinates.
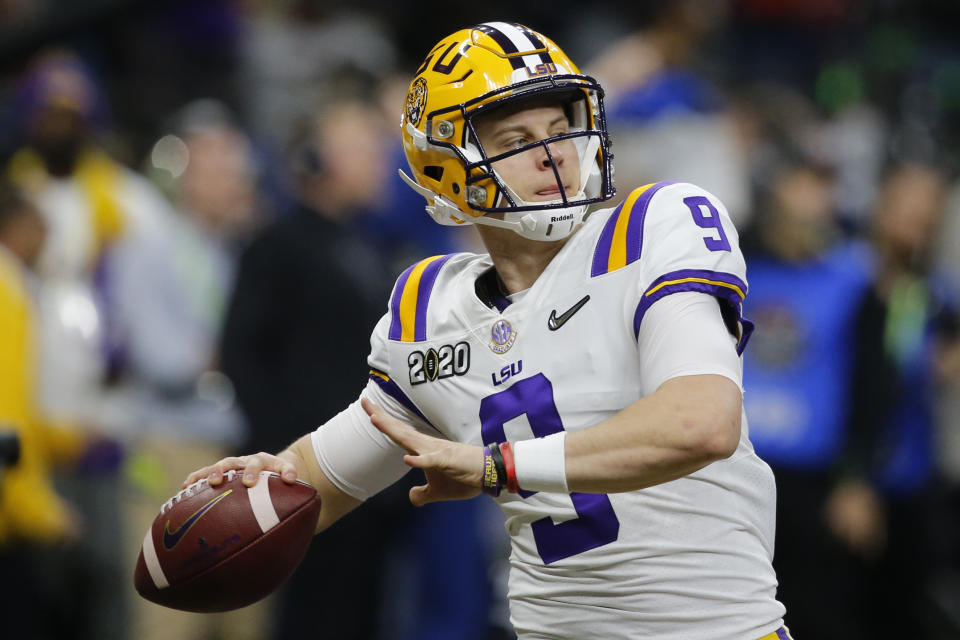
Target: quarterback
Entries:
(585, 372)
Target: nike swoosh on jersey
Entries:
(555, 321)
(172, 538)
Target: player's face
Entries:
(530, 174)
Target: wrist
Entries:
(541, 463)
(506, 450)
(493, 474)
(498, 471)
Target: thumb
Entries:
(420, 461)
(420, 495)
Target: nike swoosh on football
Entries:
(555, 321)
(172, 538)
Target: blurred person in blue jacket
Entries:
(905, 325)
(167, 293)
(806, 284)
(667, 118)
(399, 237)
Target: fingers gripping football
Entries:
(250, 465)
(454, 471)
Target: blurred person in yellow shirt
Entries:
(29, 507)
(89, 200)
(33, 517)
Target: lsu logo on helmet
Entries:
(416, 99)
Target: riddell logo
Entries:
(569, 216)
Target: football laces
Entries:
(190, 490)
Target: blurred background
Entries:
(200, 222)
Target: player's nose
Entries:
(553, 156)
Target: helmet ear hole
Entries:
(433, 172)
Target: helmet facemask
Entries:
(536, 219)
(488, 196)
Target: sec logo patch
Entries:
(502, 336)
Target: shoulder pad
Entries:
(689, 243)
(411, 295)
(621, 239)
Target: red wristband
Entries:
(507, 452)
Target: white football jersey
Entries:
(685, 559)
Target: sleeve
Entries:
(684, 335)
(690, 243)
(356, 457)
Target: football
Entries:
(225, 547)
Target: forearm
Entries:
(687, 424)
(334, 503)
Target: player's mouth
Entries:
(552, 192)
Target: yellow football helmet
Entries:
(471, 72)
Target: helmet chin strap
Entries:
(539, 225)
(440, 209)
(542, 224)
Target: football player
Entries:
(585, 371)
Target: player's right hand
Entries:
(454, 470)
(251, 466)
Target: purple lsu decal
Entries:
(542, 69)
(506, 372)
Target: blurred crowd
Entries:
(201, 221)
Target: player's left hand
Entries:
(454, 470)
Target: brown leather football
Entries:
(225, 547)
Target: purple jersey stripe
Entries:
(427, 280)
(396, 329)
(724, 286)
(782, 634)
(393, 390)
(634, 237)
(601, 254)
(635, 225)
(705, 274)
